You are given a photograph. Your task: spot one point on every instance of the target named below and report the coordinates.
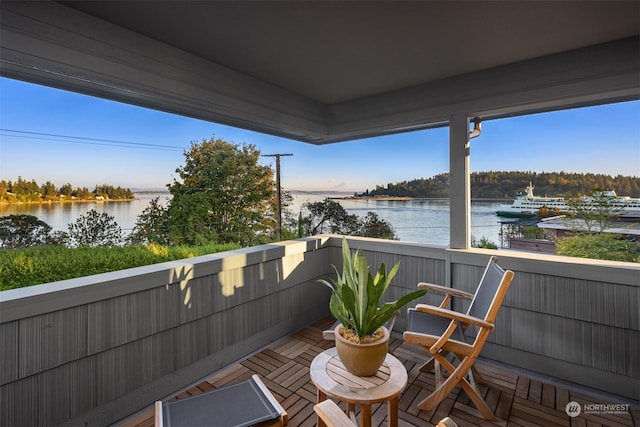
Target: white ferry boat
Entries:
(527, 205)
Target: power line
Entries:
(87, 140)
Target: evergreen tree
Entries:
(66, 190)
(49, 191)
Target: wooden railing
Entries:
(96, 349)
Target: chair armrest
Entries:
(332, 415)
(454, 315)
(445, 290)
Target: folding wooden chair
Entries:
(247, 403)
(442, 331)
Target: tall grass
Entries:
(37, 265)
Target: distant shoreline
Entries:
(48, 202)
(407, 198)
(380, 198)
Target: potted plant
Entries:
(361, 338)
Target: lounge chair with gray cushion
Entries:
(247, 403)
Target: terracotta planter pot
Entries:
(362, 360)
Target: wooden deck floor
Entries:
(515, 399)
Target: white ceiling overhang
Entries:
(329, 71)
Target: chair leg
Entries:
(457, 376)
(437, 369)
(428, 366)
(476, 374)
(477, 400)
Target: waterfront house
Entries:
(98, 349)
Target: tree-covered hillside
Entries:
(502, 184)
(22, 190)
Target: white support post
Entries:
(460, 183)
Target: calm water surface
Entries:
(59, 215)
(420, 220)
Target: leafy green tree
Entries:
(588, 219)
(517, 231)
(328, 216)
(224, 195)
(599, 246)
(151, 225)
(594, 213)
(94, 229)
(22, 231)
(374, 226)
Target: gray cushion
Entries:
(237, 405)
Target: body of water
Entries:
(60, 215)
(418, 220)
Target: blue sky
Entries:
(50, 134)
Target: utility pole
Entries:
(278, 192)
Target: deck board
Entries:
(515, 399)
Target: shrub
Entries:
(483, 243)
(599, 246)
(37, 265)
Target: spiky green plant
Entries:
(356, 294)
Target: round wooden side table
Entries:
(332, 379)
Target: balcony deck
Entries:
(517, 400)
